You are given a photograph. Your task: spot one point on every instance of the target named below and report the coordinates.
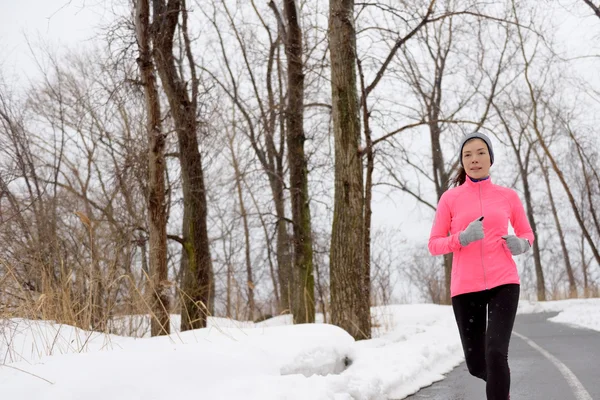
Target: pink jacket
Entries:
(485, 263)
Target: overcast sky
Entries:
(55, 22)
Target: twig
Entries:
(27, 372)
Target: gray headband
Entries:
(476, 135)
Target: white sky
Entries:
(55, 22)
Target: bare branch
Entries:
(594, 7)
(397, 46)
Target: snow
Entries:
(413, 346)
(582, 313)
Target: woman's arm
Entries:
(439, 241)
(519, 221)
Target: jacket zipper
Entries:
(482, 262)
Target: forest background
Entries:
(247, 159)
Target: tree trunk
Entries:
(197, 285)
(243, 213)
(268, 243)
(157, 216)
(441, 178)
(559, 230)
(284, 245)
(303, 308)
(440, 175)
(349, 307)
(283, 250)
(272, 158)
(368, 213)
(586, 179)
(584, 270)
(539, 272)
(524, 173)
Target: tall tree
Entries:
(559, 228)
(304, 281)
(519, 144)
(368, 151)
(536, 121)
(197, 276)
(157, 215)
(239, 178)
(264, 125)
(350, 306)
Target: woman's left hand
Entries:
(516, 245)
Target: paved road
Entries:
(548, 361)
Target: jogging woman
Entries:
(471, 222)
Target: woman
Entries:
(471, 222)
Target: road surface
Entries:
(548, 361)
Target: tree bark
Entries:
(441, 177)
(559, 230)
(584, 270)
(368, 213)
(303, 308)
(539, 272)
(277, 182)
(197, 277)
(349, 307)
(524, 172)
(157, 216)
(244, 215)
(276, 170)
(272, 269)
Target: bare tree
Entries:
(350, 307)
(518, 140)
(368, 150)
(239, 179)
(424, 273)
(304, 282)
(264, 122)
(157, 216)
(536, 120)
(595, 8)
(559, 228)
(197, 281)
(83, 121)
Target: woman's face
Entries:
(476, 159)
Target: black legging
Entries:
(486, 351)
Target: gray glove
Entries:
(473, 232)
(516, 245)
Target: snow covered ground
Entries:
(413, 346)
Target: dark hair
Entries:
(459, 178)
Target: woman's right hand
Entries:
(473, 232)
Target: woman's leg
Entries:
(502, 308)
(470, 313)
